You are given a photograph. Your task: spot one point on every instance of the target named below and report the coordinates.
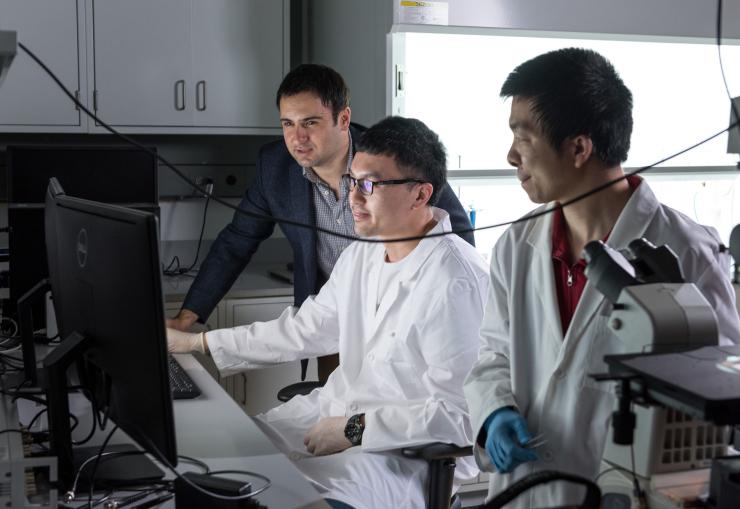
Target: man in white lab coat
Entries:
(545, 327)
(404, 318)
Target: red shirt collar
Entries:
(560, 245)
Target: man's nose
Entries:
(513, 157)
(355, 196)
(301, 133)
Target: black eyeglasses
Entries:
(367, 186)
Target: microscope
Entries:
(686, 386)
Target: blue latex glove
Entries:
(506, 432)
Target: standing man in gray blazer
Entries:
(300, 178)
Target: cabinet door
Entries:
(142, 62)
(264, 384)
(238, 61)
(29, 97)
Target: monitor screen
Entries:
(106, 283)
(113, 174)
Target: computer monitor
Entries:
(31, 299)
(106, 283)
(113, 174)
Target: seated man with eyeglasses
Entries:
(404, 318)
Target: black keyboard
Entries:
(181, 385)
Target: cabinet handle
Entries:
(180, 95)
(200, 92)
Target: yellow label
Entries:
(407, 3)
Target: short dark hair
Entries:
(416, 149)
(321, 80)
(574, 92)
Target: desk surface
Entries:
(215, 430)
(255, 281)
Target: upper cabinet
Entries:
(142, 60)
(170, 66)
(54, 31)
(210, 64)
(239, 54)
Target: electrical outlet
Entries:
(205, 183)
(228, 181)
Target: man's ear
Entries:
(423, 194)
(344, 117)
(580, 148)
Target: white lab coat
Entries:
(403, 365)
(525, 362)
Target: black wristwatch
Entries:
(354, 428)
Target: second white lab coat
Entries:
(526, 362)
(402, 365)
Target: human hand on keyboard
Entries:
(185, 342)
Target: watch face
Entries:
(353, 430)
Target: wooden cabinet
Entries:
(53, 30)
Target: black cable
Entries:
(169, 270)
(22, 383)
(29, 397)
(4, 357)
(89, 435)
(104, 484)
(9, 343)
(102, 423)
(180, 271)
(35, 418)
(202, 231)
(206, 469)
(170, 165)
(140, 494)
(12, 431)
(76, 422)
(611, 469)
(162, 459)
(95, 465)
(719, 55)
(316, 228)
(639, 493)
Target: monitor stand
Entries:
(129, 466)
(120, 471)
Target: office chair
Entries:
(297, 389)
(441, 460)
(439, 456)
